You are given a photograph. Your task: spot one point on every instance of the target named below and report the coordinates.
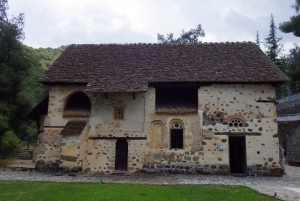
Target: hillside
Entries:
(48, 55)
(43, 59)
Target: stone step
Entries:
(119, 172)
(21, 167)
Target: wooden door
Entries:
(237, 155)
(121, 155)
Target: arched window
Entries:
(176, 137)
(236, 123)
(78, 105)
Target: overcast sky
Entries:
(52, 23)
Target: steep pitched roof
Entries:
(40, 109)
(131, 67)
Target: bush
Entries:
(10, 144)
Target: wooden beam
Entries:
(117, 138)
(237, 134)
(267, 101)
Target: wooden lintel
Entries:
(54, 126)
(237, 134)
(117, 138)
(267, 101)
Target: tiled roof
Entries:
(173, 107)
(131, 67)
(40, 109)
(73, 128)
(76, 112)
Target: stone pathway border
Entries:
(286, 187)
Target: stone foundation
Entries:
(188, 169)
(210, 169)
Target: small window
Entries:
(176, 136)
(119, 113)
(236, 123)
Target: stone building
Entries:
(204, 108)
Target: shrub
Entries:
(10, 144)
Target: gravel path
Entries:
(286, 187)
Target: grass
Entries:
(25, 190)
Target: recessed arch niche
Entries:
(77, 104)
(157, 135)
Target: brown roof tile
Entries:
(40, 109)
(73, 127)
(176, 108)
(77, 112)
(131, 67)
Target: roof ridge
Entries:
(166, 44)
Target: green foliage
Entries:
(273, 48)
(185, 37)
(20, 69)
(47, 56)
(292, 26)
(28, 190)
(14, 63)
(4, 118)
(10, 144)
(291, 64)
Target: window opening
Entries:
(176, 135)
(119, 113)
(176, 99)
(236, 123)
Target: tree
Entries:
(15, 60)
(292, 63)
(185, 37)
(257, 39)
(273, 48)
(292, 26)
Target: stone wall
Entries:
(219, 103)
(148, 132)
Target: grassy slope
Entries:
(25, 190)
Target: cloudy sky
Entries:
(52, 23)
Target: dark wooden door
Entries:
(121, 155)
(237, 155)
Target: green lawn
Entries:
(25, 190)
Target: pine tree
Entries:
(273, 48)
(257, 42)
(292, 25)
